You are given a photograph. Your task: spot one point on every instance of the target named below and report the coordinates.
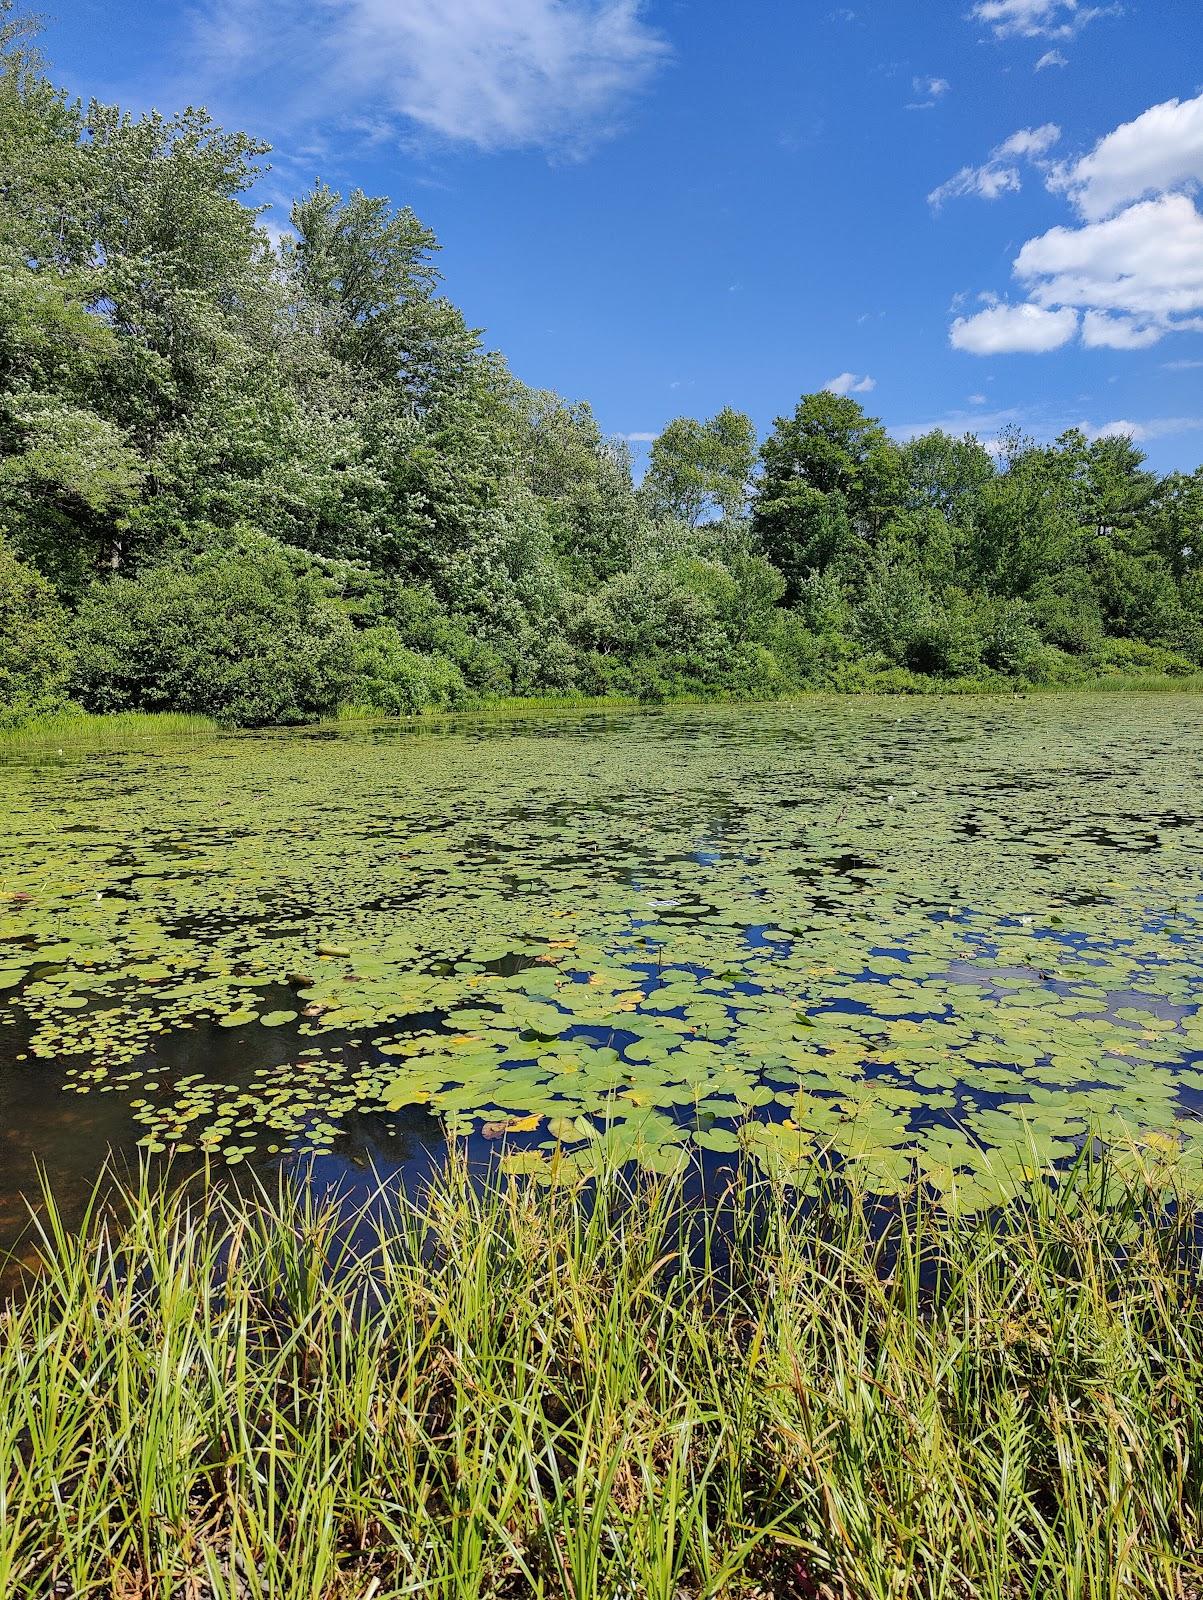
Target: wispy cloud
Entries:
(1035, 19)
(999, 174)
(1141, 432)
(494, 74)
(928, 92)
(1051, 58)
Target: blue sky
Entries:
(971, 214)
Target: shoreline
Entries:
(110, 730)
(579, 1394)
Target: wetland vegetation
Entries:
(728, 1140)
(604, 1395)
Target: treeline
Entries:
(265, 480)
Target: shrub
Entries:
(35, 659)
(1009, 641)
(392, 678)
(240, 635)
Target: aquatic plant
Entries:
(927, 939)
(608, 1392)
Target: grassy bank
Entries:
(538, 1391)
(76, 728)
(79, 729)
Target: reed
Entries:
(505, 1390)
(123, 730)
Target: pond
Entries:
(932, 938)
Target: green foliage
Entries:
(391, 678)
(170, 377)
(700, 469)
(242, 637)
(35, 661)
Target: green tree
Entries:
(363, 281)
(35, 660)
(831, 475)
(699, 470)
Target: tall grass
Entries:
(122, 729)
(586, 1393)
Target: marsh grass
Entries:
(516, 1390)
(122, 730)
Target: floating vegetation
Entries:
(930, 939)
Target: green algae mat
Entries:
(935, 939)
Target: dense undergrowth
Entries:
(571, 1391)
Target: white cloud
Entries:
(1141, 432)
(998, 174)
(851, 383)
(1147, 262)
(1159, 151)
(1102, 331)
(1182, 366)
(1133, 268)
(1051, 58)
(639, 438)
(985, 182)
(1007, 329)
(497, 74)
(1031, 19)
(1031, 143)
(929, 92)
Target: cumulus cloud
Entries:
(496, 74)
(1147, 261)
(1159, 151)
(1131, 265)
(1034, 19)
(851, 383)
(1102, 331)
(1014, 328)
(998, 174)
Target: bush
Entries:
(392, 678)
(1134, 656)
(240, 635)
(902, 620)
(1009, 641)
(35, 660)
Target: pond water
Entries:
(930, 937)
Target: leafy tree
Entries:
(944, 474)
(363, 280)
(699, 470)
(831, 476)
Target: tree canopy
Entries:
(198, 415)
